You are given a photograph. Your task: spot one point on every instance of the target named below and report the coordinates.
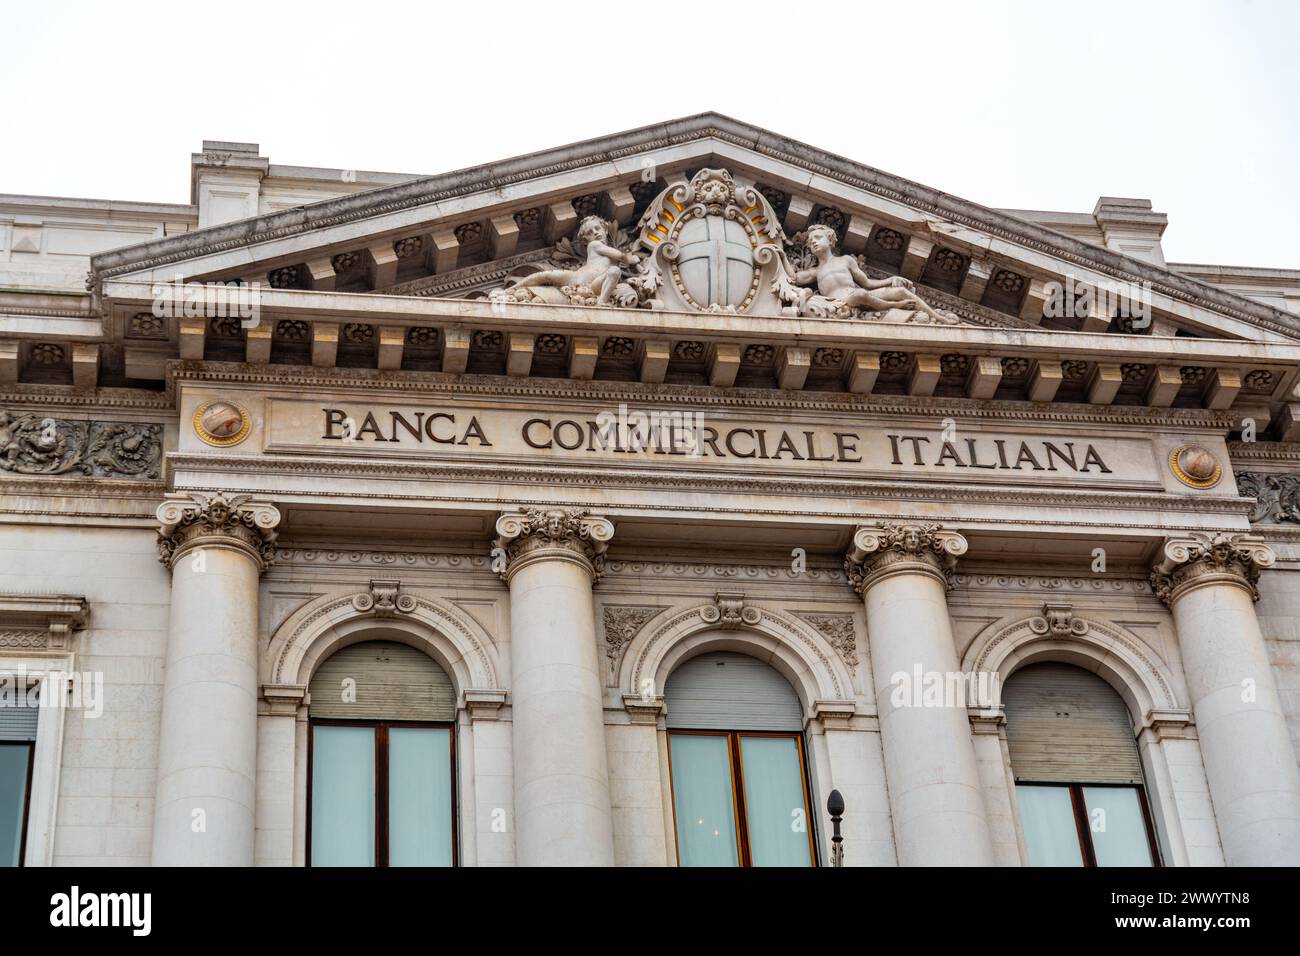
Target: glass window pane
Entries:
(1119, 831)
(1047, 820)
(343, 796)
(702, 801)
(419, 796)
(775, 811)
(13, 800)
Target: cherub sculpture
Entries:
(842, 287)
(601, 272)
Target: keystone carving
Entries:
(197, 520)
(729, 610)
(887, 548)
(561, 533)
(1059, 619)
(36, 445)
(384, 599)
(1203, 558)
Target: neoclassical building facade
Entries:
(614, 505)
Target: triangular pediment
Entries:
(470, 233)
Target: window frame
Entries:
(1082, 826)
(27, 796)
(736, 766)
(381, 728)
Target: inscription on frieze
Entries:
(705, 440)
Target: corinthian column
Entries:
(562, 807)
(902, 573)
(216, 548)
(1209, 583)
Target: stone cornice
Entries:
(889, 549)
(295, 378)
(1279, 452)
(607, 149)
(1205, 559)
(194, 521)
(40, 621)
(537, 534)
(71, 397)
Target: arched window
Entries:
(382, 759)
(736, 758)
(1078, 776)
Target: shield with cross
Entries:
(715, 261)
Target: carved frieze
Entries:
(44, 445)
(1277, 496)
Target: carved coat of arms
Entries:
(715, 245)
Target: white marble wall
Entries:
(107, 779)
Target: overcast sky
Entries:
(1195, 106)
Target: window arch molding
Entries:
(329, 623)
(795, 650)
(1112, 653)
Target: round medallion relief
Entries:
(221, 423)
(1195, 466)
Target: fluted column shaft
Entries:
(935, 798)
(216, 548)
(561, 779)
(1209, 583)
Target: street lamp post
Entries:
(835, 807)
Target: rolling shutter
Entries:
(18, 722)
(392, 682)
(725, 691)
(1066, 725)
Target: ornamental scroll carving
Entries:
(194, 520)
(1203, 558)
(716, 245)
(555, 532)
(40, 445)
(384, 599)
(621, 625)
(886, 548)
(1058, 619)
(1277, 496)
(840, 631)
(729, 610)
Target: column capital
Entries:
(196, 520)
(1203, 558)
(536, 534)
(893, 548)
